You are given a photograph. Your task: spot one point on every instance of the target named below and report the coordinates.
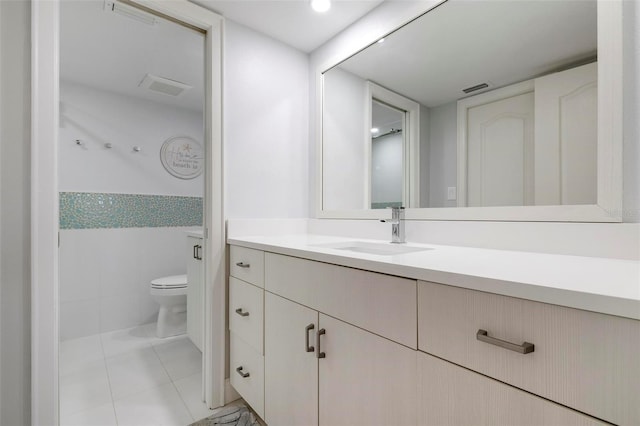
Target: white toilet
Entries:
(171, 294)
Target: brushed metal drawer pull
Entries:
(307, 329)
(524, 348)
(239, 371)
(241, 313)
(243, 265)
(320, 354)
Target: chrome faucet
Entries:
(397, 225)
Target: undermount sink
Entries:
(381, 249)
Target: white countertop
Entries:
(610, 286)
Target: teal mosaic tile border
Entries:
(86, 210)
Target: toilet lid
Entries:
(174, 281)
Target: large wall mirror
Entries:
(479, 110)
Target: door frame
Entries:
(45, 55)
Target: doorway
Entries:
(123, 151)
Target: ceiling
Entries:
(463, 43)
(112, 52)
(107, 50)
(292, 21)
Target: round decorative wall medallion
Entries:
(182, 157)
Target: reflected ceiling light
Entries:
(375, 130)
(381, 40)
(320, 5)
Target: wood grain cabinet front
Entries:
(450, 395)
(247, 264)
(584, 360)
(323, 371)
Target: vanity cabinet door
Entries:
(195, 291)
(291, 372)
(365, 379)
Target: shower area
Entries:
(131, 187)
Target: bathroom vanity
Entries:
(339, 332)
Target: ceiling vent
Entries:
(475, 88)
(163, 85)
(129, 11)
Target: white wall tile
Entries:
(118, 312)
(79, 265)
(79, 318)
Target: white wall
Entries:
(97, 117)
(265, 126)
(443, 161)
(344, 147)
(15, 196)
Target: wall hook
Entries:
(108, 145)
(137, 149)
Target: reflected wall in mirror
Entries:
(505, 114)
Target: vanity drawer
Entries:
(247, 373)
(247, 264)
(246, 309)
(585, 360)
(449, 395)
(382, 304)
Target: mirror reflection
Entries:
(506, 110)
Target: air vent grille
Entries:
(163, 85)
(475, 88)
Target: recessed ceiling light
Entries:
(381, 40)
(375, 130)
(320, 5)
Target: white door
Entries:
(291, 372)
(500, 152)
(566, 136)
(364, 379)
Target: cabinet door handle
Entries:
(240, 372)
(195, 251)
(307, 329)
(243, 265)
(320, 333)
(524, 348)
(241, 313)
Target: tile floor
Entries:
(130, 377)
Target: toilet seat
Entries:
(171, 282)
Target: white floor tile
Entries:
(190, 390)
(84, 389)
(135, 372)
(103, 415)
(158, 406)
(123, 341)
(180, 357)
(76, 353)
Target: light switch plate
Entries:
(451, 193)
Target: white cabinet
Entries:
(584, 360)
(364, 379)
(320, 370)
(450, 395)
(246, 326)
(291, 366)
(195, 291)
(327, 345)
